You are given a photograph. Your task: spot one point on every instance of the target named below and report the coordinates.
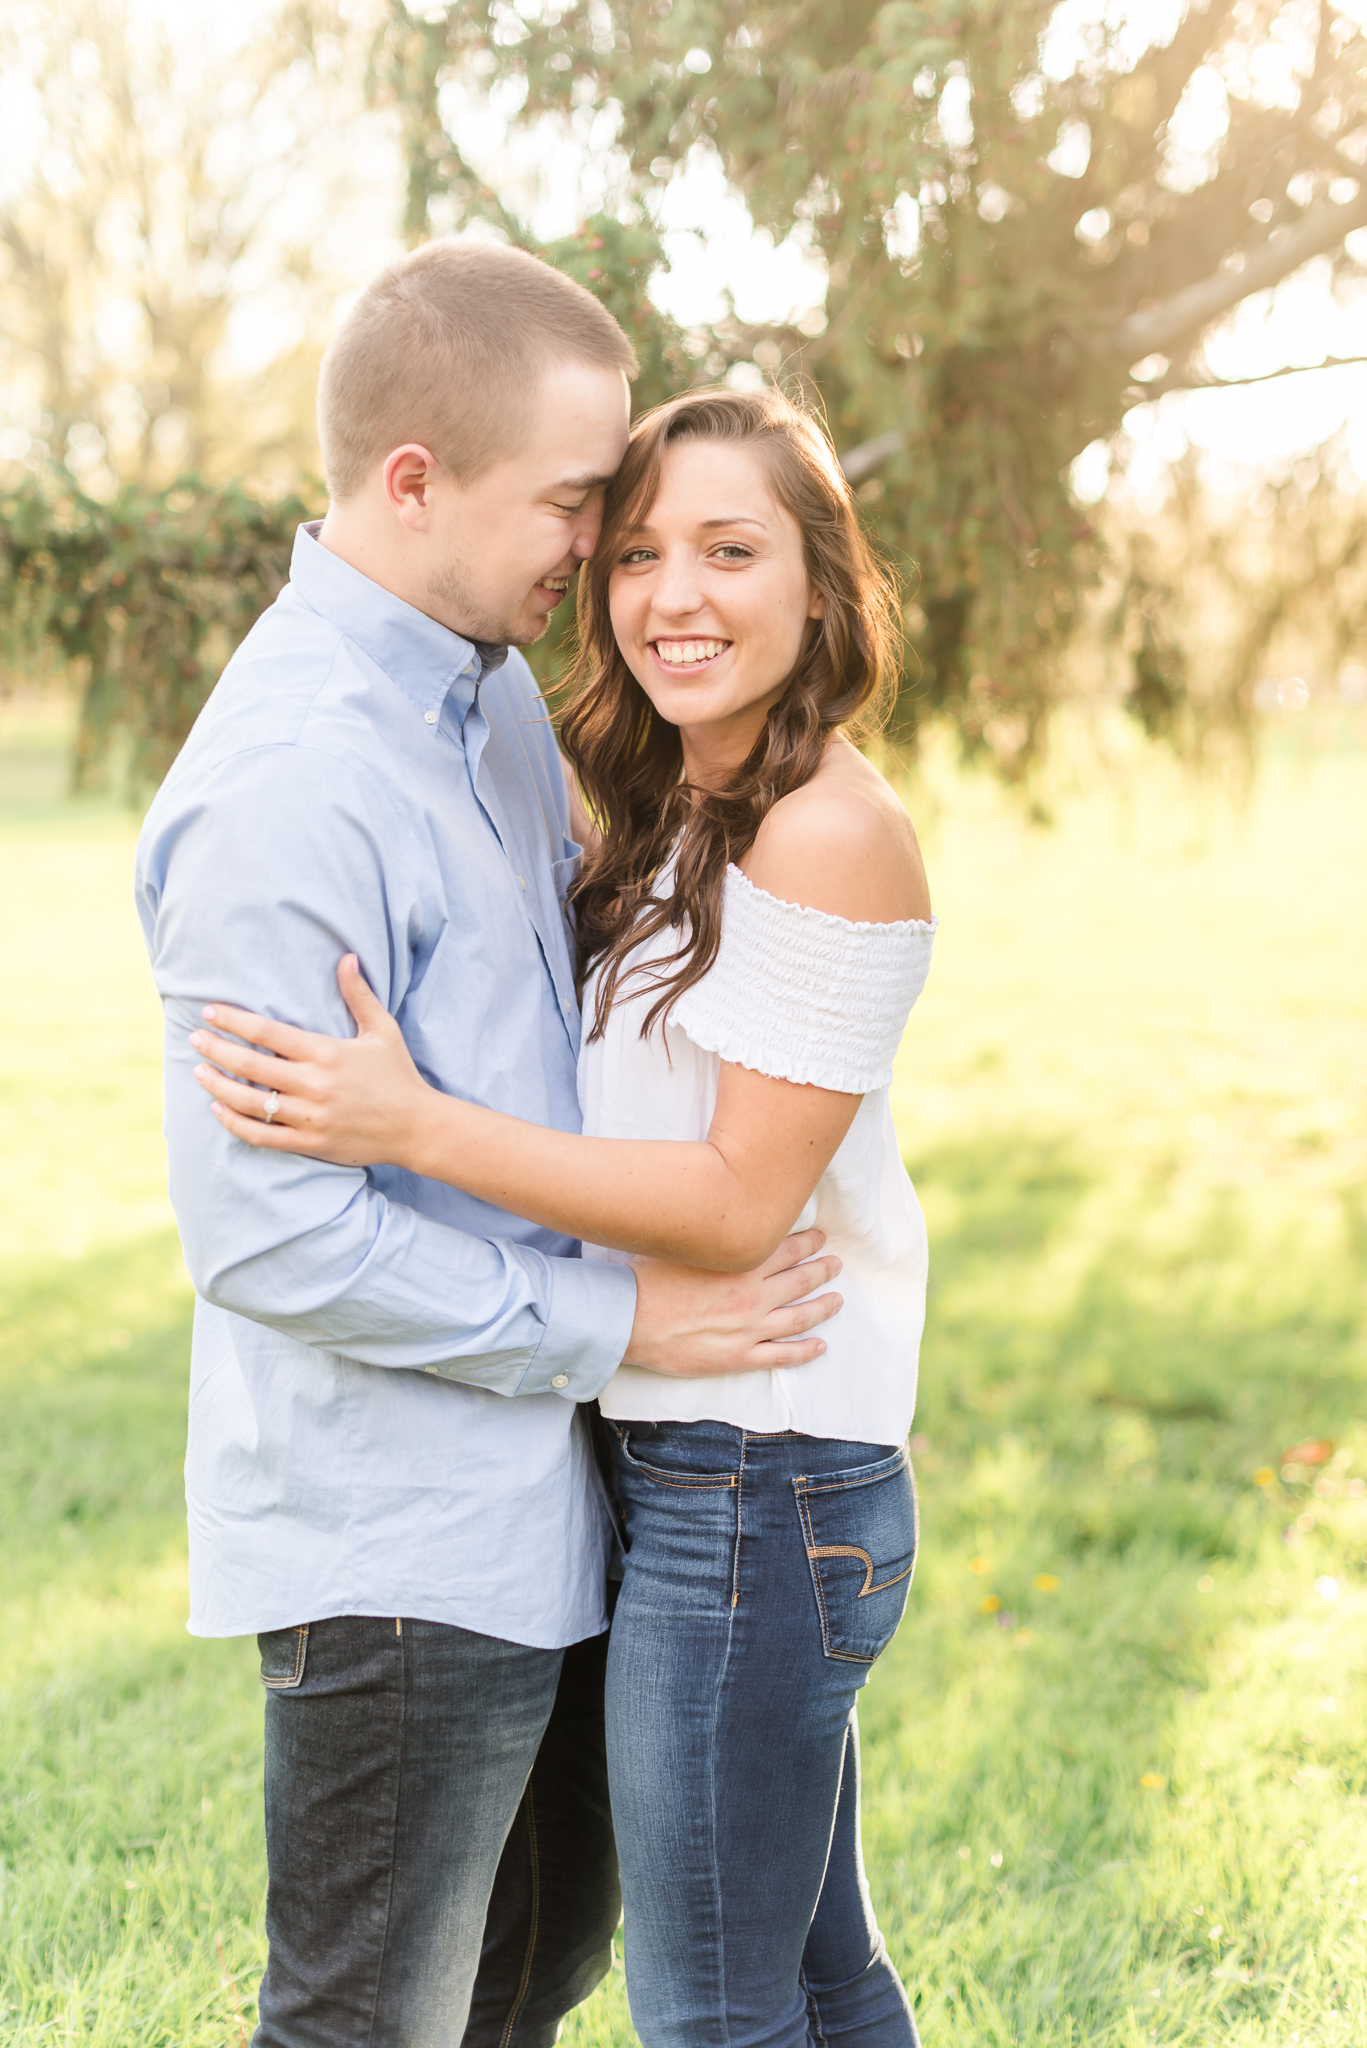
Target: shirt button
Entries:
(522, 881)
(430, 716)
(562, 1379)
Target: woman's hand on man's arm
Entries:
(352, 1101)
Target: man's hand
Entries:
(691, 1324)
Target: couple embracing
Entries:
(514, 1191)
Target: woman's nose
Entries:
(676, 590)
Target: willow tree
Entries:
(1023, 237)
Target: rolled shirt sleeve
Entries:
(250, 894)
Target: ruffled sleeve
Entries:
(804, 996)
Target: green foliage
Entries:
(616, 260)
(146, 595)
(1210, 597)
(989, 291)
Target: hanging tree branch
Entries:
(1191, 381)
(1154, 329)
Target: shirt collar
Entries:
(425, 660)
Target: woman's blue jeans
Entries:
(764, 1575)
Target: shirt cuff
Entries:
(593, 1306)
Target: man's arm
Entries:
(256, 891)
(253, 890)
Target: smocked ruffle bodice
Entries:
(803, 995)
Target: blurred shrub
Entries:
(146, 596)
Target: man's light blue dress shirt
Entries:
(363, 778)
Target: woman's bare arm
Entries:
(723, 1202)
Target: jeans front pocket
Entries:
(681, 1475)
(283, 1651)
(860, 1531)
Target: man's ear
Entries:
(408, 475)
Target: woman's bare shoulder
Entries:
(842, 843)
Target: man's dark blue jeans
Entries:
(437, 1834)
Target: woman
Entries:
(754, 928)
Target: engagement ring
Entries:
(272, 1104)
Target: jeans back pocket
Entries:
(860, 1531)
(283, 1651)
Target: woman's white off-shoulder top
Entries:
(806, 997)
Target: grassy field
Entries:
(1117, 1758)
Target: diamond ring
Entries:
(272, 1104)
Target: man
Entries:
(388, 1479)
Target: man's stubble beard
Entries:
(449, 590)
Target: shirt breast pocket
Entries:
(563, 873)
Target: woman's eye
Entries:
(732, 551)
(634, 555)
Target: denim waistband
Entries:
(710, 1445)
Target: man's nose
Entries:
(587, 527)
(586, 538)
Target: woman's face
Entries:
(710, 599)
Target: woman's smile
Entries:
(686, 657)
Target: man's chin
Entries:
(528, 630)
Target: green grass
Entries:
(1117, 1758)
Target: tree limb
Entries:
(1192, 382)
(1154, 330)
(869, 456)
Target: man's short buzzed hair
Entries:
(446, 347)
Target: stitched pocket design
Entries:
(860, 1532)
(683, 1479)
(283, 1651)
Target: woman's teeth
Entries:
(687, 653)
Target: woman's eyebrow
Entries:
(731, 519)
(644, 527)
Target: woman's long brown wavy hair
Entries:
(629, 760)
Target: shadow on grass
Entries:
(1119, 1341)
(1099, 1387)
(1100, 1381)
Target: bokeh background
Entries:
(1079, 289)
